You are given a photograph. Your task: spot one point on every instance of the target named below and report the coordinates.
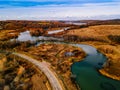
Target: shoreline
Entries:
(102, 70)
(104, 73)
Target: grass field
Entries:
(100, 32)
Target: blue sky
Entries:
(59, 9)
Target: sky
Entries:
(59, 9)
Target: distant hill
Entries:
(101, 22)
(23, 24)
(95, 22)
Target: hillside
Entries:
(93, 33)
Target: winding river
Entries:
(87, 76)
(86, 71)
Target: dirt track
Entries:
(45, 69)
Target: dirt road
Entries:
(45, 69)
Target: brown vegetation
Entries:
(17, 74)
(11, 45)
(22, 24)
(36, 28)
(101, 22)
(112, 66)
(60, 56)
(39, 82)
(99, 33)
(36, 32)
(114, 38)
(8, 34)
(105, 38)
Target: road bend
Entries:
(45, 69)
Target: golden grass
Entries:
(98, 32)
(7, 34)
(39, 82)
(101, 30)
(113, 54)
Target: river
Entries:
(86, 71)
(26, 36)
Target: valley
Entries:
(65, 51)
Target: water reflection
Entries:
(26, 36)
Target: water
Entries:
(26, 36)
(76, 23)
(57, 31)
(86, 71)
(87, 76)
(79, 23)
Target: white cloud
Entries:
(103, 4)
(61, 12)
(45, 0)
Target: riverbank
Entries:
(60, 58)
(111, 67)
(111, 51)
(106, 39)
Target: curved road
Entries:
(45, 69)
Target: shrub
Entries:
(114, 38)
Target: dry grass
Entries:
(18, 74)
(7, 34)
(61, 63)
(39, 82)
(113, 68)
(99, 32)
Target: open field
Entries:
(100, 30)
(94, 33)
